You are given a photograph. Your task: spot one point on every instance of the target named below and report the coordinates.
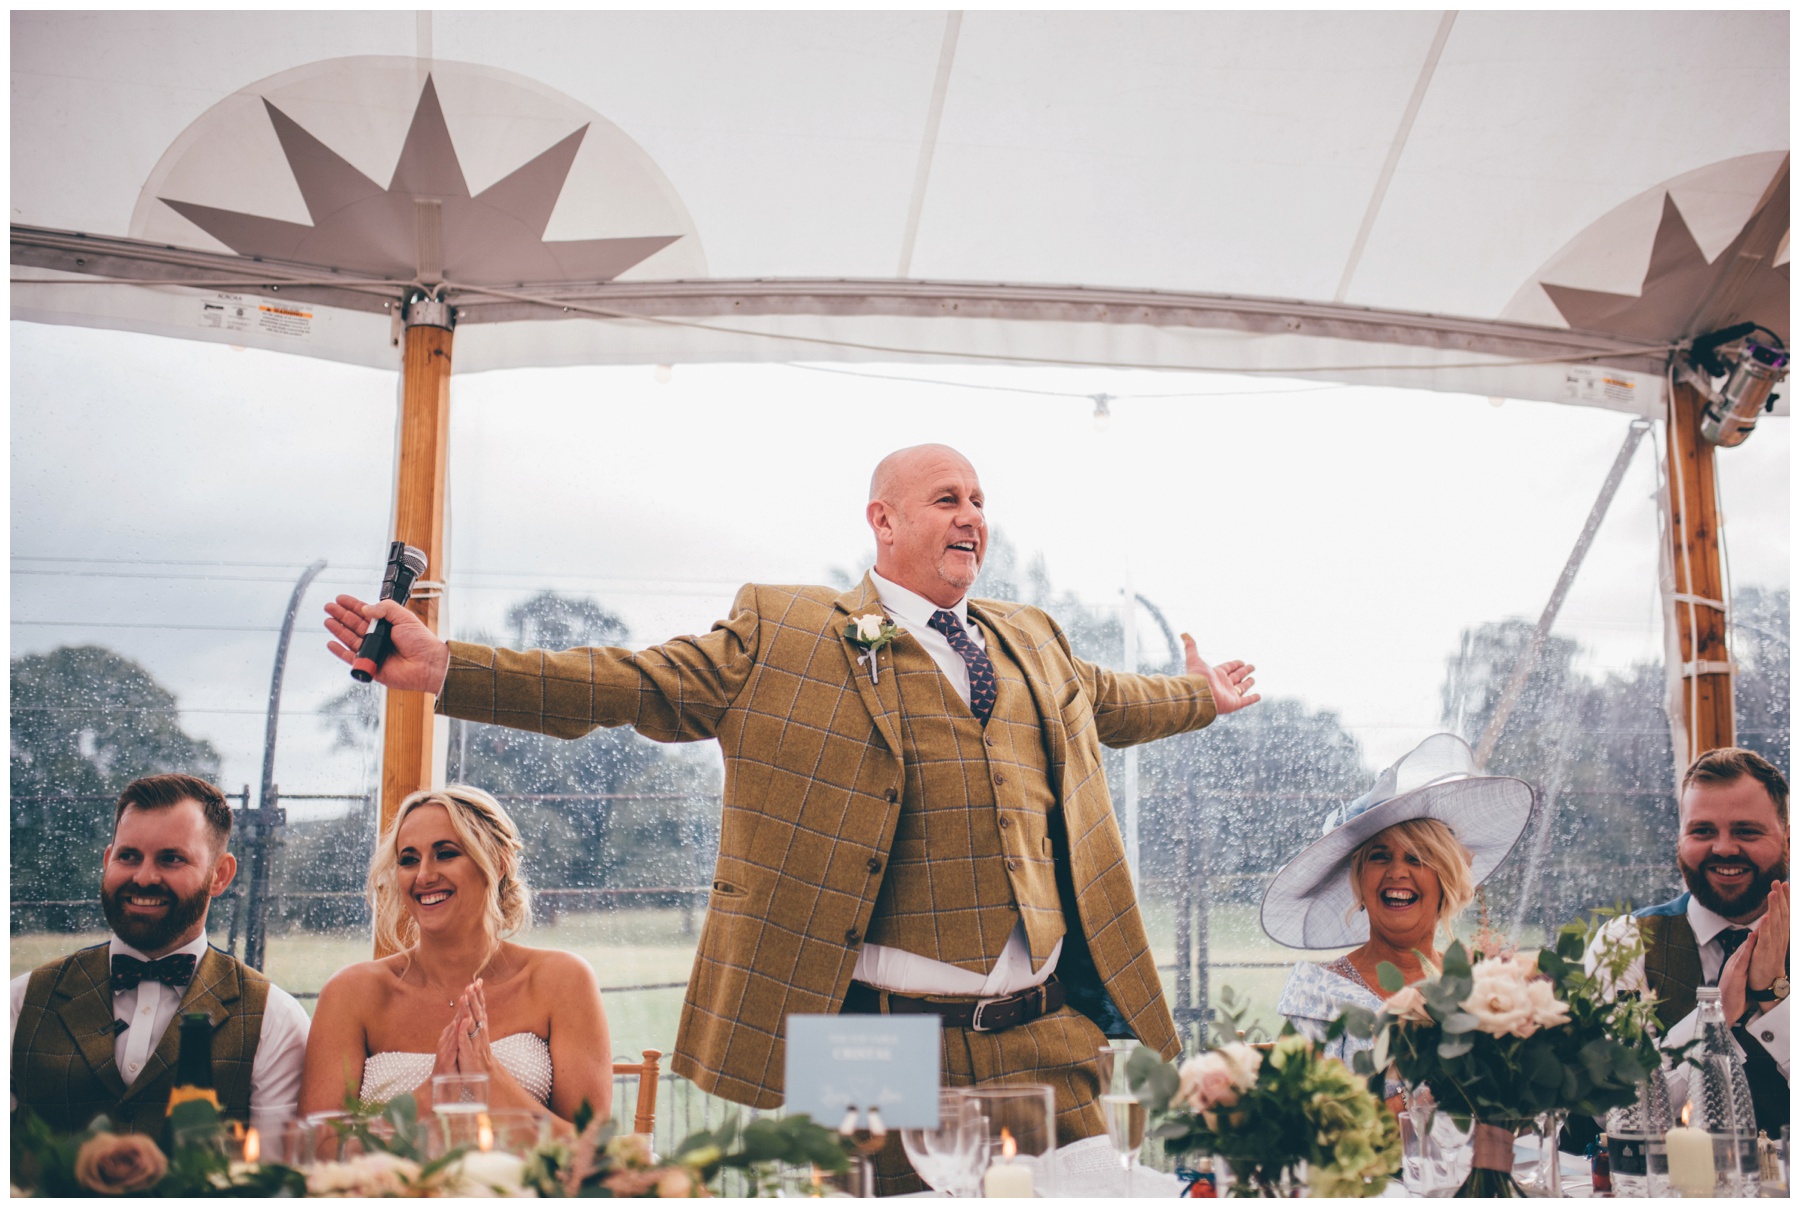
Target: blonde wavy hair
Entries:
(1437, 847)
(487, 836)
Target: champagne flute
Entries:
(1125, 1116)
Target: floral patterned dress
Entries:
(1315, 993)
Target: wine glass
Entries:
(1125, 1116)
(942, 1156)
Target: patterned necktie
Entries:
(1730, 940)
(983, 687)
(175, 970)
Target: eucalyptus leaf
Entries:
(1390, 977)
(1460, 1022)
(1453, 1047)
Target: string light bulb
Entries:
(1102, 411)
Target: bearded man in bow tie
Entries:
(916, 820)
(90, 1032)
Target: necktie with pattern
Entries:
(1731, 939)
(175, 970)
(983, 687)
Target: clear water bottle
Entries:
(1721, 1101)
(1634, 1140)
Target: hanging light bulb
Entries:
(1102, 412)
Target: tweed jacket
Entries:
(813, 778)
(63, 1065)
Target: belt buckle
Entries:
(975, 1023)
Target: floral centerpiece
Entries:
(384, 1157)
(1502, 1037)
(1269, 1110)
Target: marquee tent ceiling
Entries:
(1534, 205)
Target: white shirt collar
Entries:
(1706, 924)
(195, 946)
(911, 609)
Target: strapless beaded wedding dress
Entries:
(525, 1055)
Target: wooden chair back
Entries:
(649, 1075)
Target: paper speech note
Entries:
(891, 1062)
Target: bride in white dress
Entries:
(455, 996)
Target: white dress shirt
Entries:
(904, 972)
(147, 1011)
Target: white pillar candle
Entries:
(1690, 1161)
(1007, 1181)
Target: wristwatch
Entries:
(1777, 991)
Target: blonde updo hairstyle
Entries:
(487, 836)
(1437, 847)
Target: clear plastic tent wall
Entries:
(1522, 206)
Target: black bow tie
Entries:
(175, 969)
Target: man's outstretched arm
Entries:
(1131, 708)
(676, 692)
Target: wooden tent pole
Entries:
(407, 761)
(1699, 593)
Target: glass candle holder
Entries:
(1019, 1124)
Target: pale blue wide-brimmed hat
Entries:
(1309, 903)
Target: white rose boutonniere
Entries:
(871, 632)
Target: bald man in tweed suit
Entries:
(923, 829)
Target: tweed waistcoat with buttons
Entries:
(63, 1065)
(1671, 965)
(971, 854)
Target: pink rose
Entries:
(1547, 1011)
(114, 1164)
(1500, 1000)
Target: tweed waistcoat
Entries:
(63, 1066)
(1671, 959)
(971, 854)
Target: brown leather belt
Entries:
(975, 1014)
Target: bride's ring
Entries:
(474, 1029)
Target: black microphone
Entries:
(405, 564)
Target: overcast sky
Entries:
(166, 495)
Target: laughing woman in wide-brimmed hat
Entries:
(1391, 870)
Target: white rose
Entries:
(1408, 1004)
(1547, 1011)
(868, 626)
(1242, 1063)
(1499, 1001)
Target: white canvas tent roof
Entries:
(1534, 205)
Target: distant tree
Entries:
(1760, 642)
(86, 721)
(644, 815)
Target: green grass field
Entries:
(647, 947)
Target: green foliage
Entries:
(1295, 1106)
(1589, 1064)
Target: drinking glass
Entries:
(459, 1094)
(1125, 1116)
(1018, 1123)
(459, 1106)
(943, 1156)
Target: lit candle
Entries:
(1690, 1158)
(252, 1147)
(484, 1133)
(1004, 1180)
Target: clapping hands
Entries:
(464, 1046)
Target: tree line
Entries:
(613, 811)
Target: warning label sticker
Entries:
(1606, 387)
(234, 312)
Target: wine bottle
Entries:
(193, 1071)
